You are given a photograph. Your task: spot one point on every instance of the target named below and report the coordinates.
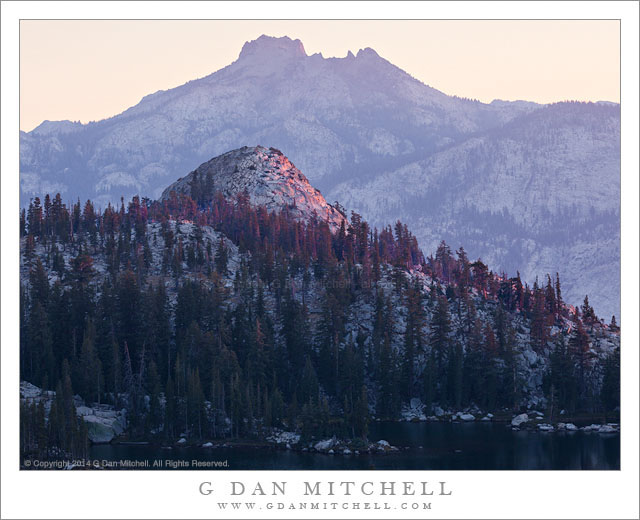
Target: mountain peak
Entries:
(270, 179)
(57, 127)
(367, 52)
(271, 45)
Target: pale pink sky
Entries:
(89, 70)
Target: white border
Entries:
(522, 494)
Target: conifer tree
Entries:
(413, 337)
(361, 414)
(440, 329)
(89, 367)
(222, 257)
(387, 378)
(560, 382)
(558, 296)
(610, 393)
(588, 314)
(581, 354)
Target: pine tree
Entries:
(361, 414)
(154, 417)
(510, 379)
(440, 329)
(490, 369)
(89, 367)
(38, 345)
(588, 314)
(222, 257)
(550, 298)
(560, 382)
(413, 337)
(295, 328)
(610, 393)
(170, 410)
(308, 387)
(558, 297)
(539, 323)
(581, 355)
(473, 372)
(387, 378)
(456, 374)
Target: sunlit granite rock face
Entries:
(268, 177)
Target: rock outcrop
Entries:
(267, 176)
(104, 422)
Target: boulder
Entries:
(84, 410)
(98, 431)
(29, 391)
(105, 414)
(530, 356)
(284, 438)
(325, 445)
(414, 412)
(570, 427)
(207, 445)
(382, 446)
(416, 404)
(182, 440)
(466, 417)
(519, 420)
(118, 425)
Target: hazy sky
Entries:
(89, 70)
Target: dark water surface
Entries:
(443, 446)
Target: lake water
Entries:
(431, 446)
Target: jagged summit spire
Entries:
(273, 45)
(270, 46)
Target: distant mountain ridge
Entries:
(485, 176)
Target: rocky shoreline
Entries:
(107, 425)
(532, 420)
(286, 440)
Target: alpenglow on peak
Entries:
(267, 176)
